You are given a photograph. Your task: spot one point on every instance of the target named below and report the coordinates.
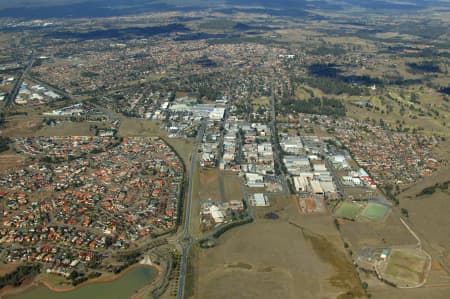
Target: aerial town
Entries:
(84, 196)
(232, 150)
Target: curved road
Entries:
(185, 240)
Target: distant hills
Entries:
(39, 9)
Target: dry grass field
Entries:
(21, 126)
(183, 147)
(293, 257)
(428, 215)
(66, 129)
(9, 159)
(7, 268)
(215, 185)
(387, 233)
(232, 187)
(406, 266)
(140, 127)
(209, 185)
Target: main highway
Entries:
(185, 240)
(277, 153)
(13, 94)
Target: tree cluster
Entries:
(22, 272)
(334, 86)
(4, 143)
(313, 106)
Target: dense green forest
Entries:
(424, 67)
(445, 90)
(4, 141)
(313, 106)
(334, 86)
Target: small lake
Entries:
(122, 288)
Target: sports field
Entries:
(347, 210)
(406, 267)
(375, 211)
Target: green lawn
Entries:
(347, 210)
(375, 211)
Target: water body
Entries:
(122, 288)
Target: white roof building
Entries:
(316, 187)
(300, 183)
(217, 114)
(328, 187)
(254, 180)
(319, 167)
(216, 214)
(259, 200)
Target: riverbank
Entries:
(39, 281)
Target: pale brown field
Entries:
(140, 127)
(292, 257)
(9, 159)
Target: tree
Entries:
(365, 285)
(414, 97)
(405, 212)
(4, 143)
(2, 118)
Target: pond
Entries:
(121, 288)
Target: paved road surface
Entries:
(185, 239)
(13, 94)
(277, 154)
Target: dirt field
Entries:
(428, 216)
(312, 205)
(388, 233)
(420, 293)
(9, 159)
(209, 185)
(295, 256)
(7, 268)
(183, 147)
(66, 129)
(232, 187)
(140, 127)
(21, 126)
